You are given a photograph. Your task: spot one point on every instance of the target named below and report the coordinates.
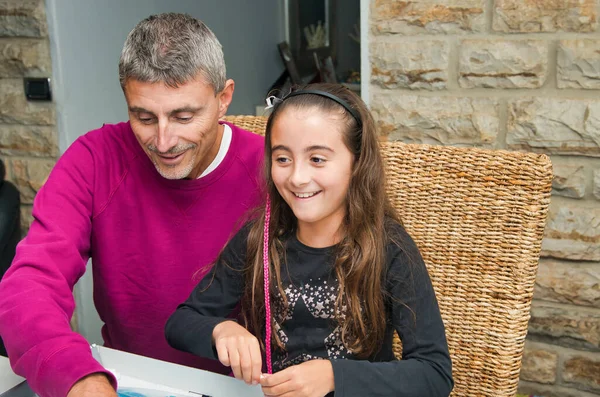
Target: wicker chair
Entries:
(478, 218)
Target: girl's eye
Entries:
(317, 160)
(282, 160)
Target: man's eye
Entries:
(146, 120)
(183, 119)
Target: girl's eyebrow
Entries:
(308, 149)
(280, 147)
(318, 147)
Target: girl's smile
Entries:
(306, 195)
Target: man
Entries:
(151, 201)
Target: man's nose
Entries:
(165, 139)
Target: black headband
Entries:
(353, 112)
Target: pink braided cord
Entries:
(267, 294)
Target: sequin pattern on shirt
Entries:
(309, 330)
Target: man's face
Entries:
(178, 127)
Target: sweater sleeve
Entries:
(211, 302)
(425, 368)
(37, 302)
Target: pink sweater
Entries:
(150, 239)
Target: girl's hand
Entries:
(239, 349)
(310, 379)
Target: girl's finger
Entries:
(234, 359)
(255, 354)
(222, 354)
(245, 363)
(281, 389)
(271, 380)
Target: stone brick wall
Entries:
(28, 136)
(517, 75)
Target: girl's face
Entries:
(311, 167)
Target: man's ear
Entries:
(225, 97)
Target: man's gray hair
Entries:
(172, 48)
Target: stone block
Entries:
(537, 389)
(568, 282)
(28, 140)
(413, 64)
(569, 181)
(29, 175)
(568, 326)
(427, 16)
(572, 232)
(503, 63)
(583, 371)
(15, 109)
(437, 120)
(554, 125)
(530, 16)
(23, 18)
(539, 364)
(24, 57)
(579, 64)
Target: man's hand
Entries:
(239, 349)
(94, 385)
(310, 379)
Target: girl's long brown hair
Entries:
(360, 255)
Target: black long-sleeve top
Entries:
(309, 330)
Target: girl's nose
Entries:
(300, 175)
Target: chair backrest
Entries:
(478, 217)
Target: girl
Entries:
(341, 272)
